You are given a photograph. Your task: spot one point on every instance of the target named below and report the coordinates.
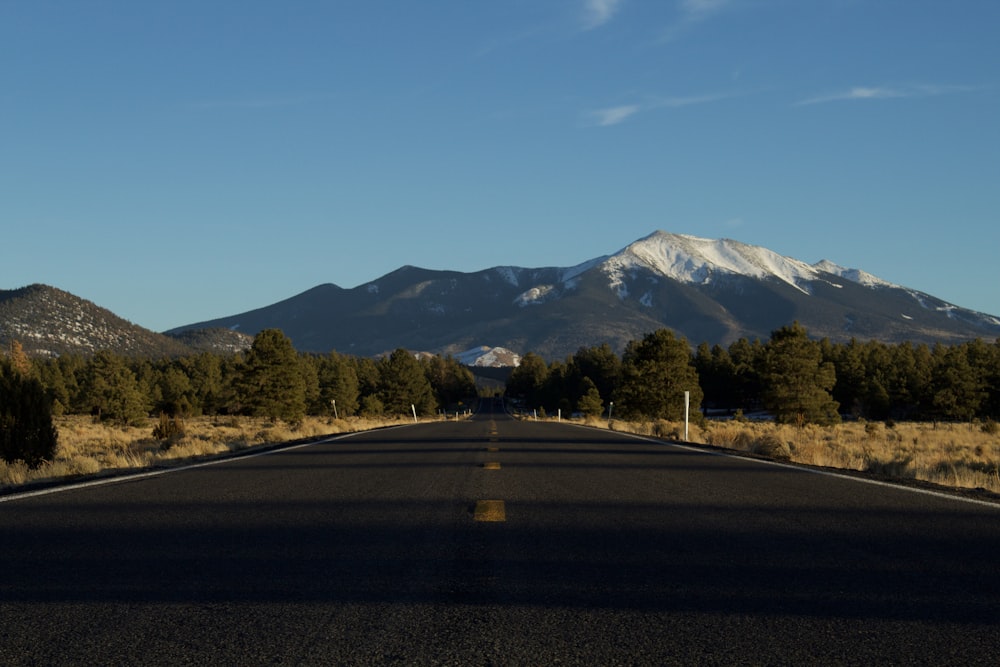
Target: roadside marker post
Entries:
(687, 407)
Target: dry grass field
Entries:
(87, 448)
(954, 455)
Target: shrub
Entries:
(26, 430)
(168, 427)
(772, 446)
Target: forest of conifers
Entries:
(792, 377)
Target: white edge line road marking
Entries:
(806, 468)
(190, 466)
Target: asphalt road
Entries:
(368, 549)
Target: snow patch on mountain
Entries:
(485, 356)
(535, 295)
(694, 260)
(854, 275)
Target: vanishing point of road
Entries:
(492, 541)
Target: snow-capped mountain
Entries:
(706, 290)
(485, 356)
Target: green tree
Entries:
(338, 382)
(111, 390)
(452, 382)
(272, 383)
(656, 372)
(402, 384)
(590, 402)
(746, 384)
(716, 375)
(204, 372)
(26, 430)
(527, 380)
(796, 381)
(956, 387)
(175, 392)
(602, 366)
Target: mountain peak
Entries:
(696, 260)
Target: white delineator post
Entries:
(687, 407)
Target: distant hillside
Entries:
(50, 322)
(706, 290)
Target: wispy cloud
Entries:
(614, 115)
(887, 92)
(691, 13)
(611, 115)
(598, 12)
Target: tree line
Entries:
(795, 378)
(270, 380)
(791, 376)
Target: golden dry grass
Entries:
(86, 448)
(956, 455)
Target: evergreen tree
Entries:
(796, 381)
(956, 389)
(656, 372)
(204, 371)
(851, 388)
(403, 386)
(602, 366)
(527, 380)
(175, 394)
(452, 382)
(746, 359)
(26, 430)
(367, 372)
(272, 383)
(338, 382)
(590, 402)
(716, 375)
(111, 390)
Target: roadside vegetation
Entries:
(907, 411)
(87, 447)
(896, 411)
(76, 415)
(959, 455)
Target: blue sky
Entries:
(178, 161)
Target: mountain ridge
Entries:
(714, 290)
(707, 290)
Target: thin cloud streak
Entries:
(599, 12)
(614, 115)
(692, 12)
(887, 93)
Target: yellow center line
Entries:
(490, 510)
(492, 465)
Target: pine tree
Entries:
(26, 430)
(590, 402)
(602, 366)
(527, 380)
(656, 372)
(796, 381)
(111, 390)
(338, 385)
(403, 386)
(271, 383)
